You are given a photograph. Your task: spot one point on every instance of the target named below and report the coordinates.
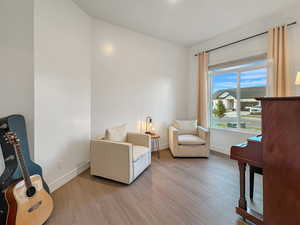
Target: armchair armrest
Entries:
(138, 139)
(112, 160)
(173, 137)
(174, 130)
(202, 129)
(203, 133)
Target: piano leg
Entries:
(242, 201)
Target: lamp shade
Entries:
(297, 82)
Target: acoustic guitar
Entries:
(12, 172)
(28, 202)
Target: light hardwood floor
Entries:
(170, 192)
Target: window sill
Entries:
(236, 130)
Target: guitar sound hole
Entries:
(30, 192)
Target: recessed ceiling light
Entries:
(174, 1)
(108, 49)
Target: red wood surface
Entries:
(250, 153)
(281, 157)
(12, 205)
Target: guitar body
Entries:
(23, 210)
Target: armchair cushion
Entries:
(139, 151)
(186, 126)
(189, 139)
(117, 133)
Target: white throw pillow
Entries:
(99, 138)
(185, 125)
(117, 133)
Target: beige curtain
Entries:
(202, 90)
(278, 78)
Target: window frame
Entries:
(238, 71)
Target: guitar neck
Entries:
(22, 165)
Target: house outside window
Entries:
(234, 88)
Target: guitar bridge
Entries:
(35, 206)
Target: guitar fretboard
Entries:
(23, 166)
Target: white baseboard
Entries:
(68, 177)
(219, 149)
(163, 146)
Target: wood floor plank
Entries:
(181, 191)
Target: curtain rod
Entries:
(244, 39)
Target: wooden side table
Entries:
(155, 138)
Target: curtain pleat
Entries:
(202, 90)
(278, 72)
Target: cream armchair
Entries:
(189, 143)
(121, 161)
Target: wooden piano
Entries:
(277, 152)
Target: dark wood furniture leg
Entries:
(252, 170)
(242, 209)
(242, 201)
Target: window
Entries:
(233, 91)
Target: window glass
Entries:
(233, 96)
(224, 107)
(253, 85)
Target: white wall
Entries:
(62, 89)
(138, 76)
(16, 62)
(134, 76)
(222, 140)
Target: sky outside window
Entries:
(253, 78)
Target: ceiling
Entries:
(182, 21)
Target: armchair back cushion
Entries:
(186, 126)
(118, 134)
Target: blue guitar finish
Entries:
(16, 123)
(12, 172)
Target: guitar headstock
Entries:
(11, 138)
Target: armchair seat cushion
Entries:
(138, 151)
(189, 139)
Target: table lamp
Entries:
(297, 82)
(148, 125)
